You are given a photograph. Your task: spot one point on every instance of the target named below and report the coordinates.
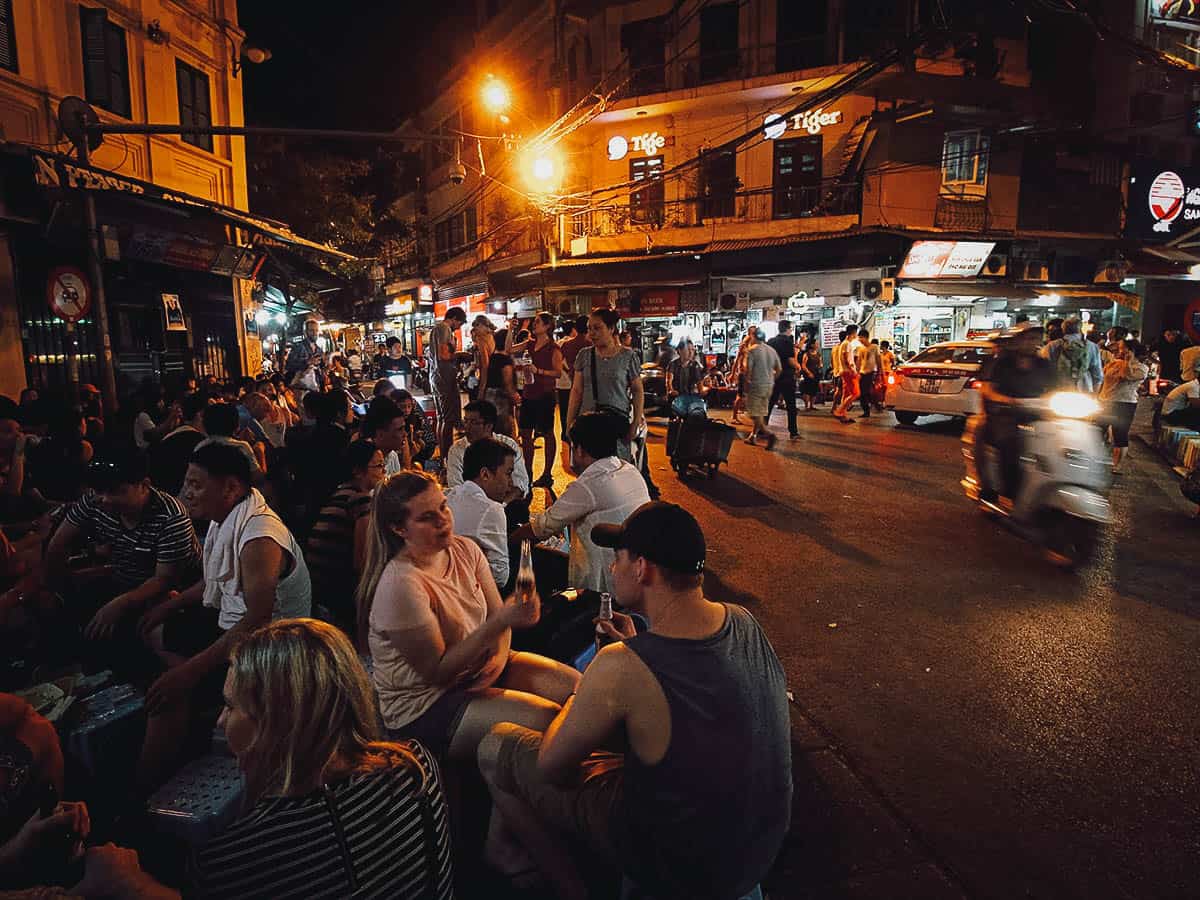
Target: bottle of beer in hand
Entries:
(603, 639)
(525, 579)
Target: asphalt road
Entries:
(1035, 731)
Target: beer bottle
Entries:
(603, 639)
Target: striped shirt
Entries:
(329, 551)
(163, 536)
(375, 835)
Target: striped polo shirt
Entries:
(381, 834)
(164, 534)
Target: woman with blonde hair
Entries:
(439, 634)
(330, 810)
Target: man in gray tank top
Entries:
(699, 800)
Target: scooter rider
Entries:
(1018, 373)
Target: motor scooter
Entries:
(1061, 501)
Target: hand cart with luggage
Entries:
(694, 441)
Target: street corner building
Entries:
(169, 280)
(928, 171)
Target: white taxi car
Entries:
(941, 380)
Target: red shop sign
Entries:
(660, 302)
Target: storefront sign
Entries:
(425, 293)
(775, 125)
(660, 302)
(831, 333)
(1163, 202)
(802, 300)
(69, 293)
(649, 142)
(946, 259)
(173, 311)
(399, 307)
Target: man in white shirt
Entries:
(477, 503)
(1182, 405)
(607, 490)
(253, 572)
(866, 358)
(479, 422)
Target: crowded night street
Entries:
(599, 449)
(1015, 730)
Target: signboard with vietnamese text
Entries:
(1183, 12)
(660, 302)
(831, 333)
(1164, 202)
(946, 259)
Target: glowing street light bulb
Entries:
(543, 168)
(495, 95)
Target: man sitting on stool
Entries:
(477, 503)
(254, 572)
(479, 422)
(700, 802)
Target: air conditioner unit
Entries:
(870, 289)
(1031, 270)
(996, 264)
(888, 295)
(728, 301)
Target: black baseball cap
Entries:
(664, 533)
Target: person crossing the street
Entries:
(762, 371)
(784, 345)
(845, 365)
(867, 358)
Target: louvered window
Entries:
(194, 108)
(8, 37)
(105, 62)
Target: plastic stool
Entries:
(108, 732)
(200, 801)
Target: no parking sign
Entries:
(68, 293)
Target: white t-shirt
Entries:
(407, 597)
(458, 451)
(1178, 398)
(293, 594)
(480, 518)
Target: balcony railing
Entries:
(762, 205)
(695, 69)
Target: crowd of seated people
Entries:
(238, 551)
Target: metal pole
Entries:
(256, 130)
(96, 274)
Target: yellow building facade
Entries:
(134, 61)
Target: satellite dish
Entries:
(75, 119)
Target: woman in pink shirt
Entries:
(438, 632)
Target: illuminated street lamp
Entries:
(543, 169)
(496, 97)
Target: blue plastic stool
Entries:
(200, 801)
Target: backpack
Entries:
(1072, 362)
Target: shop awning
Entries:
(56, 172)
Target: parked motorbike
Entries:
(1061, 501)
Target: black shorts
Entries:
(1122, 418)
(435, 727)
(190, 631)
(537, 414)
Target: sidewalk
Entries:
(844, 840)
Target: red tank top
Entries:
(541, 385)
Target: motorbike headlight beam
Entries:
(1072, 405)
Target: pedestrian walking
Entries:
(1122, 376)
(442, 358)
(784, 346)
(866, 358)
(810, 375)
(844, 354)
(576, 339)
(762, 369)
(738, 374)
(538, 399)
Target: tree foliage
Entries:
(346, 197)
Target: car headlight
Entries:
(1072, 405)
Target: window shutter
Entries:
(203, 110)
(183, 85)
(472, 224)
(96, 85)
(8, 38)
(118, 68)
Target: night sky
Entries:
(363, 64)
